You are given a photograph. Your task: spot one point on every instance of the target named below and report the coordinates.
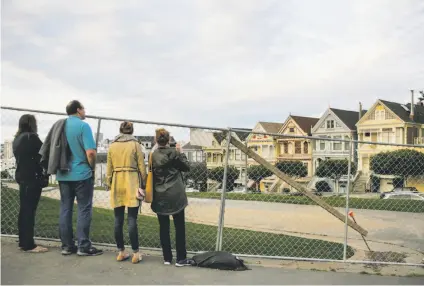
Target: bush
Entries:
(323, 186)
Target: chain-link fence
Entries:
(260, 194)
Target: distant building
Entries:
(194, 153)
(264, 145)
(297, 149)
(335, 124)
(7, 149)
(100, 136)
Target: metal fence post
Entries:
(99, 123)
(245, 170)
(224, 190)
(349, 170)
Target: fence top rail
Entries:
(116, 119)
(213, 128)
(324, 138)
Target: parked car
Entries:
(403, 196)
(405, 189)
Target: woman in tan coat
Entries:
(126, 173)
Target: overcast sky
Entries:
(217, 63)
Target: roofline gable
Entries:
(287, 121)
(320, 121)
(372, 109)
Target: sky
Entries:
(210, 62)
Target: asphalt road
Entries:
(53, 269)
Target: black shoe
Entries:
(185, 262)
(92, 251)
(69, 250)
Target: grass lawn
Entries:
(356, 203)
(199, 237)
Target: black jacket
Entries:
(26, 147)
(169, 195)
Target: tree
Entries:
(403, 163)
(199, 175)
(217, 174)
(335, 169)
(257, 173)
(292, 168)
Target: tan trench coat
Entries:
(126, 171)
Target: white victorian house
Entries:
(334, 124)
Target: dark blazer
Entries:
(55, 153)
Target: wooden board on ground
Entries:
(297, 186)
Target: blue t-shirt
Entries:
(80, 139)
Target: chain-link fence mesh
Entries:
(264, 214)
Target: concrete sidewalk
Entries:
(51, 268)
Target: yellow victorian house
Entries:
(264, 145)
(389, 122)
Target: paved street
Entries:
(51, 268)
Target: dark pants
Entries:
(132, 227)
(29, 196)
(83, 191)
(180, 237)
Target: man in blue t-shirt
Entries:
(77, 182)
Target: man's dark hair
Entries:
(73, 106)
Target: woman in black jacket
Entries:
(169, 197)
(26, 146)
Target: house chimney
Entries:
(411, 115)
(360, 110)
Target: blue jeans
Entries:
(83, 191)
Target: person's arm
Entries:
(141, 165)
(109, 170)
(182, 163)
(89, 145)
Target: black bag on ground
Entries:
(219, 260)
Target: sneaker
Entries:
(92, 251)
(69, 251)
(185, 262)
(167, 263)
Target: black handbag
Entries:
(43, 180)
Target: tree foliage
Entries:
(258, 172)
(402, 163)
(199, 175)
(217, 174)
(335, 169)
(292, 168)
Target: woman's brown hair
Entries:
(162, 136)
(27, 123)
(126, 128)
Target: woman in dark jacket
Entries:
(169, 197)
(26, 146)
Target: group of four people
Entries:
(69, 152)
